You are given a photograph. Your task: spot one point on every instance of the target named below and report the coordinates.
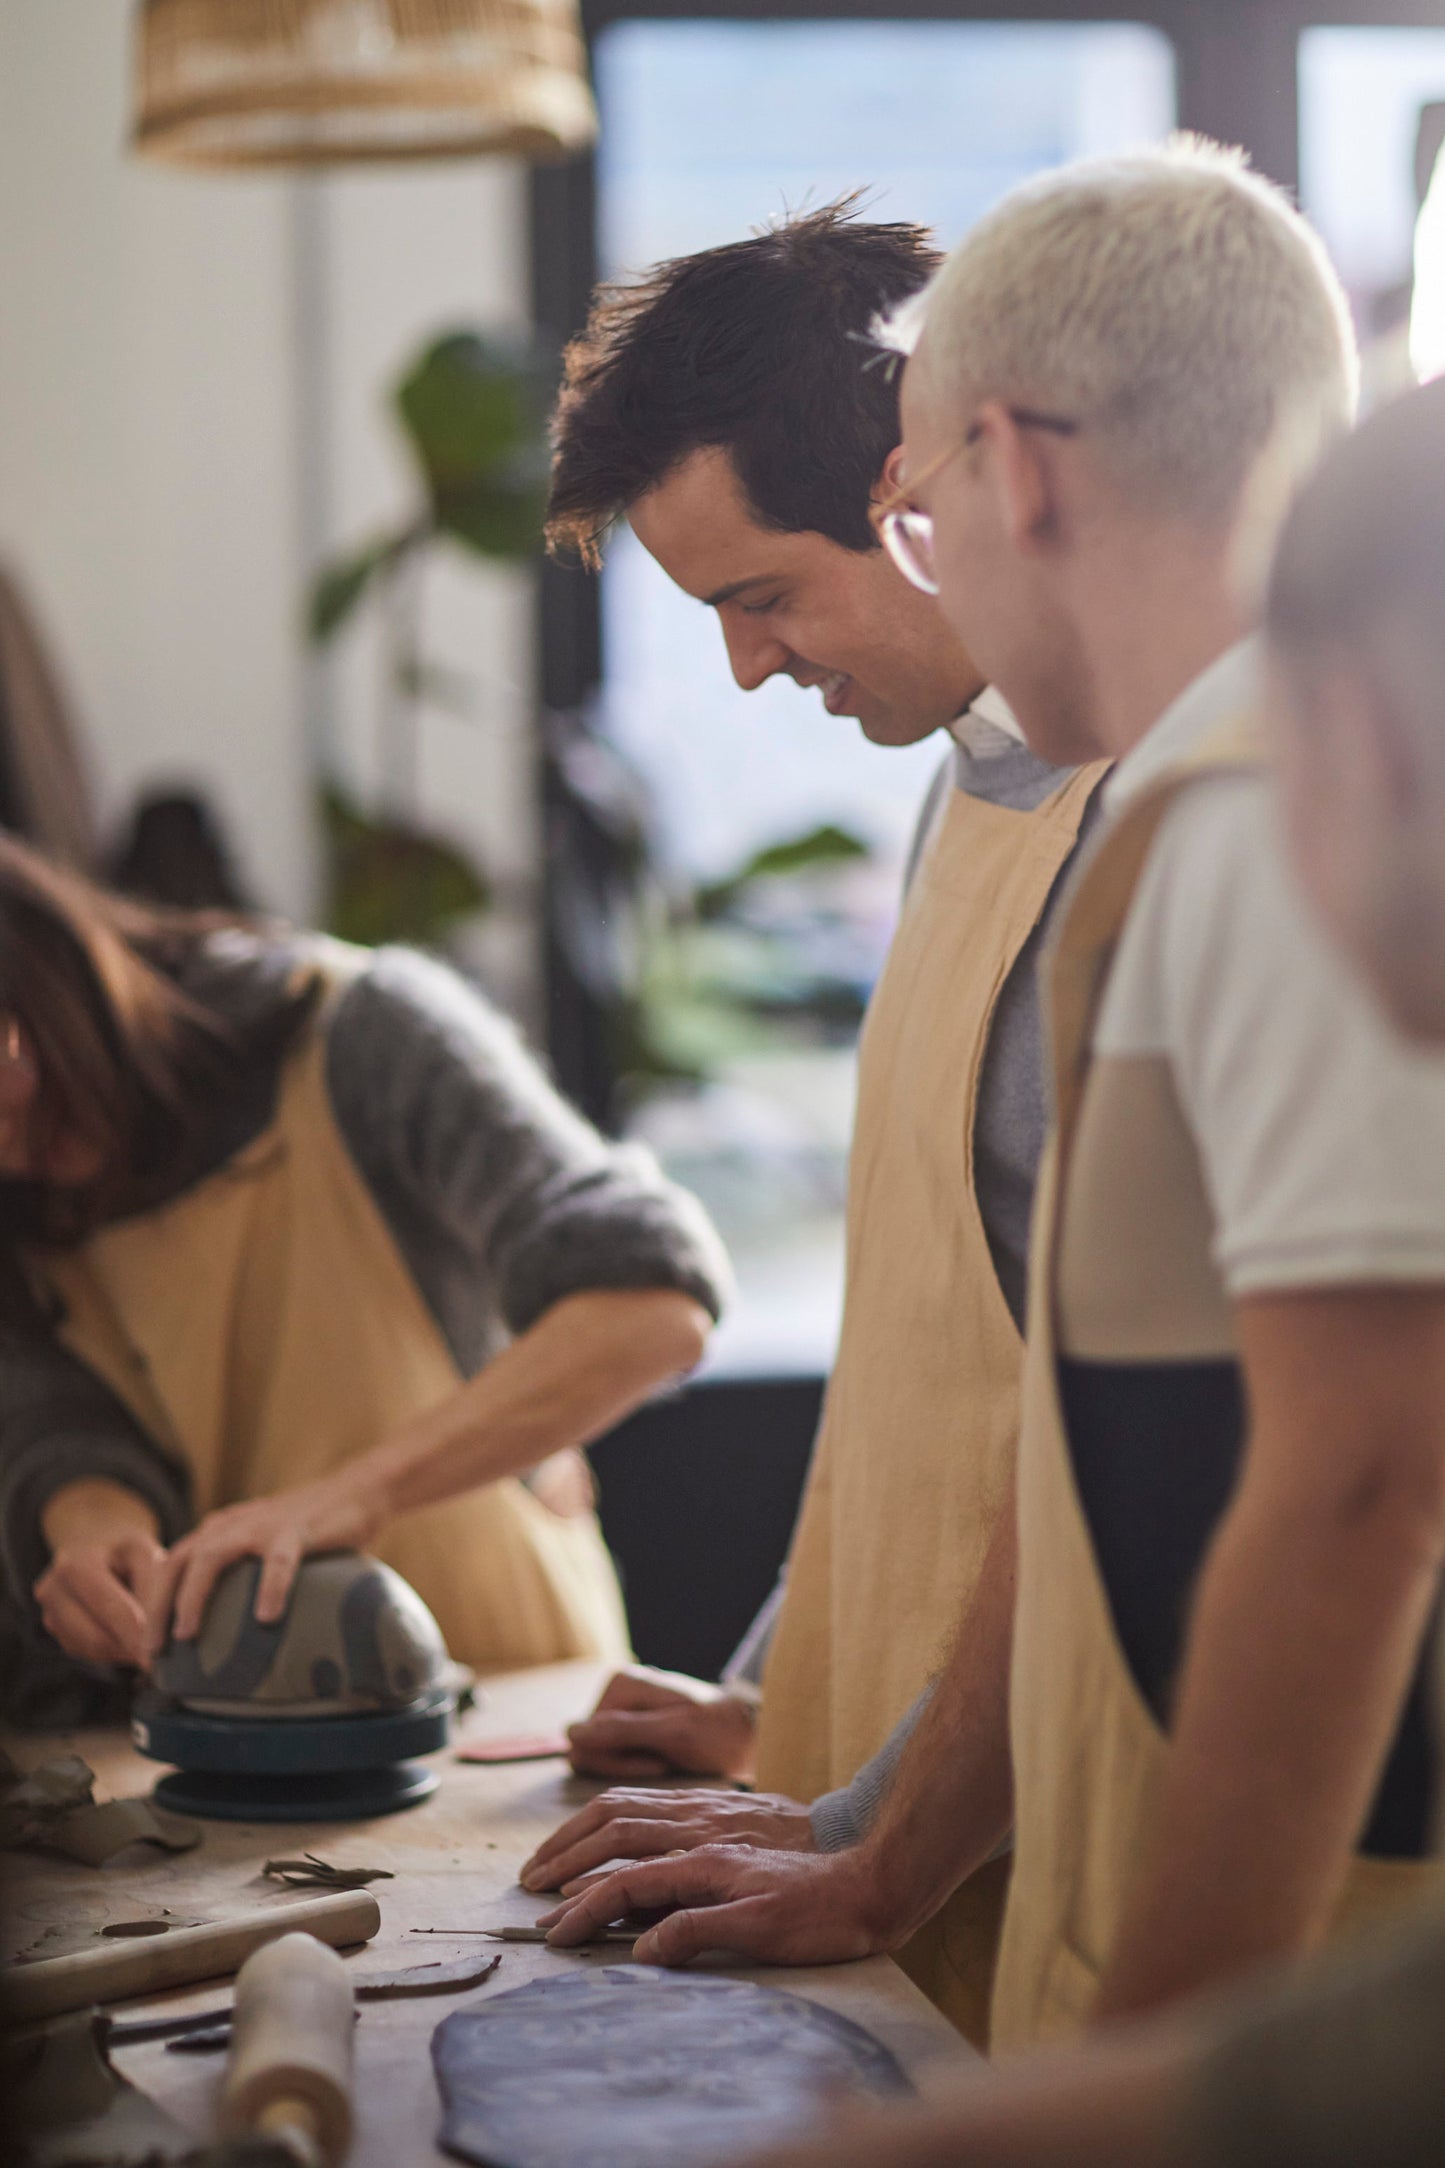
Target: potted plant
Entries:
(472, 409)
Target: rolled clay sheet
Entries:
(631, 2067)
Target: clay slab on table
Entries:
(630, 2067)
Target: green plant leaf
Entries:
(391, 882)
(474, 409)
(828, 845)
(497, 518)
(339, 586)
(467, 404)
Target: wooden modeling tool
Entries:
(539, 1934)
(116, 1970)
(289, 2076)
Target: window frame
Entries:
(1238, 79)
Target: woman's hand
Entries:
(568, 1378)
(90, 1597)
(335, 1513)
(105, 1559)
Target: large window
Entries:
(756, 974)
(1372, 120)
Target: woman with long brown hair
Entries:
(300, 1250)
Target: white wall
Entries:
(164, 340)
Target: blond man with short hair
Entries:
(1343, 2065)
(1232, 1492)
(1237, 1323)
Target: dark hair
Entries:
(761, 348)
(125, 1058)
(1366, 534)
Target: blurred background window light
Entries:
(710, 129)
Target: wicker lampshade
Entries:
(314, 82)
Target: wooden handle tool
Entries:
(117, 1970)
(289, 2077)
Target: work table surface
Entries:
(455, 1860)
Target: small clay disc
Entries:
(631, 2067)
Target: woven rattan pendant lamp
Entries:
(316, 82)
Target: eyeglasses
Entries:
(907, 533)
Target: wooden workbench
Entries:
(455, 1859)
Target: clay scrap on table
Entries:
(630, 2067)
(66, 2103)
(54, 1809)
(309, 1872)
(200, 2032)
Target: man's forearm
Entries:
(1307, 1627)
(1114, 2107)
(951, 1802)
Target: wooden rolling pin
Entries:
(289, 2077)
(121, 1969)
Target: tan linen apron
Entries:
(264, 1329)
(1087, 1751)
(915, 1455)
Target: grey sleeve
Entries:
(463, 1140)
(844, 1817)
(746, 1664)
(1012, 1116)
(928, 814)
(60, 1424)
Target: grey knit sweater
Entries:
(500, 1198)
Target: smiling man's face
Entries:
(801, 606)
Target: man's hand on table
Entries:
(661, 1723)
(623, 1824)
(776, 1908)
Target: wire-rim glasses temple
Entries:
(907, 533)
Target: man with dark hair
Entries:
(760, 348)
(733, 409)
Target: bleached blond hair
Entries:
(1168, 300)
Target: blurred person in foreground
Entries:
(732, 409)
(1231, 1496)
(299, 1251)
(1340, 2064)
